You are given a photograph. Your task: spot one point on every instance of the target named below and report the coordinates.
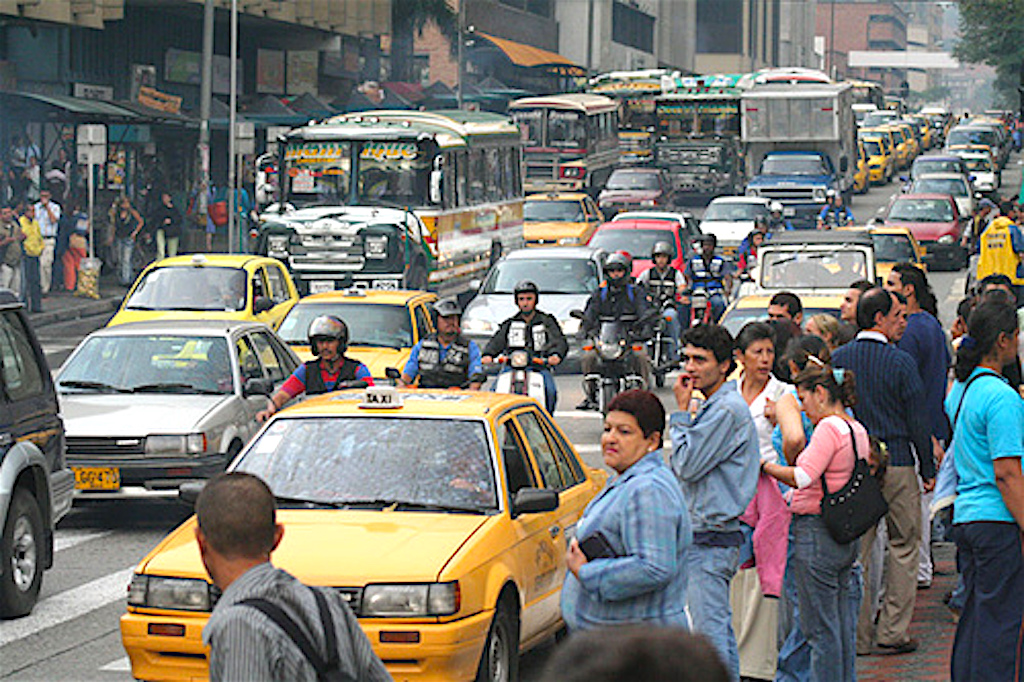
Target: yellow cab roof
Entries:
(216, 260)
(400, 297)
(556, 196)
(415, 403)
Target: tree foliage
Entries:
(992, 32)
(408, 19)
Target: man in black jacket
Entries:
(535, 331)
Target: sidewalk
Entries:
(63, 306)
(932, 626)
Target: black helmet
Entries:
(446, 307)
(661, 249)
(526, 287)
(616, 260)
(327, 327)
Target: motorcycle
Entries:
(700, 306)
(522, 380)
(615, 350)
(661, 345)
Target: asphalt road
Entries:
(73, 632)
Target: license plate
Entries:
(97, 478)
(389, 284)
(320, 286)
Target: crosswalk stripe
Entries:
(67, 605)
(66, 539)
(576, 414)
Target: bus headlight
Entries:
(277, 246)
(377, 246)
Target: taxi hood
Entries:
(340, 548)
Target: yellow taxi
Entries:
(442, 517)
(754, 308)
(860, 175)
(893, 245)
(210, 287)
(560, 219)
(888, 137)
(913, 147)
(924, 131)
(903, 156)
(881, 165)
(383, 325)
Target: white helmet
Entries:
(775, 207)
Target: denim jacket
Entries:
(642, 515)
(715, 455)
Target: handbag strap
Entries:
(963, 395)
(856, 456)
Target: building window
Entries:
(632, 27)
(719, 26)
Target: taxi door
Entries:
(272, 281)
(538, 553)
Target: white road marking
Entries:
(67, 605)
(588, 448)
(121, 665)
(66, 539)
(577, 414)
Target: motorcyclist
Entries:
(762, 226)
(332, 370)
(445, 359)
(712, 273)
(776, 223)
(541, 335)
(664, 284)
(616, 298)
(835, 213)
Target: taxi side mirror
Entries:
(534, 501)
(262, 304)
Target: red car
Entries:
(937, 225)
(637, 236)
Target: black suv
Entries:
(36, 486)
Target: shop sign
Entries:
(90, 91)
(161, 101)
(315, 152)
(389, 151)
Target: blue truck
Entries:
(800, 141)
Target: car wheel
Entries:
(500, 660)
(21, 554)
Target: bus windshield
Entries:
(318, 173)
(393, 172)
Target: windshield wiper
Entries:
(409, 505)
(171, 387)
(97, 385)
(305, 503)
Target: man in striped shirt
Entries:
(237, 530)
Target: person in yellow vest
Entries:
(1001, 251)
(33, 247)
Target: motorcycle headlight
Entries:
(477, 325)
(398, 601)
(277, 245)
(188, 444)
(519, 359)
(156, 592)
(571, 326)
(376, 246)
(946, 239)
(610, 351)
(568, 241)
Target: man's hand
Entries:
(937, 451)
(683, 391)
(554, 360)
(486, 359)
(928, 484)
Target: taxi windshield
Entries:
(189, 365)
(551, 275)
(190, 288)
(405, 463)
(893, 248)
(813, 269)
(369, 324)
(568, 211)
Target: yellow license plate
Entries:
(97, 478)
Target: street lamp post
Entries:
(232, 133)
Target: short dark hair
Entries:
(754, 331)
(636, 652)
(873, 301)
(862, 285)
(238, 516)
(790, 300)
(709, 237)
(645, 407)
(712, 337)
(998, 279)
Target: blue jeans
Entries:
(822, 569)
(550, 391)
(125, 247)
(711, 569)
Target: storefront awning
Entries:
(529, 56)
(30, 104)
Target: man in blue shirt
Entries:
(715, 456)
(445, 359)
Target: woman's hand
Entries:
(575, 558)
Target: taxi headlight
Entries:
(187, 594)
(571, 326)
(432, 599)
(477, 325)
(189, 444)
(519, 359)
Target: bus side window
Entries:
(462, 166)
(508, 165)
(492, 175)
(477, 177)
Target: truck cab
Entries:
(798, 179)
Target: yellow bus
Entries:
(570, 142)
(459, 173)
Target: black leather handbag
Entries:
(855, 508)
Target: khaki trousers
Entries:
(899, 589)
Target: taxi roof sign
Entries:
(377, 397)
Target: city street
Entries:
(73, 632)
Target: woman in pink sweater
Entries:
(821, 565)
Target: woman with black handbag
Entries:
(822, 564)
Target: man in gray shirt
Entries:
(237, 531)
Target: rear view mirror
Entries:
(578, 314)
(257, 387)
(534, 501)
(393, 374)
(435, 186)
(262, 304)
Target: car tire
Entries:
(608, 393)
(21, 552)
(500, 659)
(659, 379)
